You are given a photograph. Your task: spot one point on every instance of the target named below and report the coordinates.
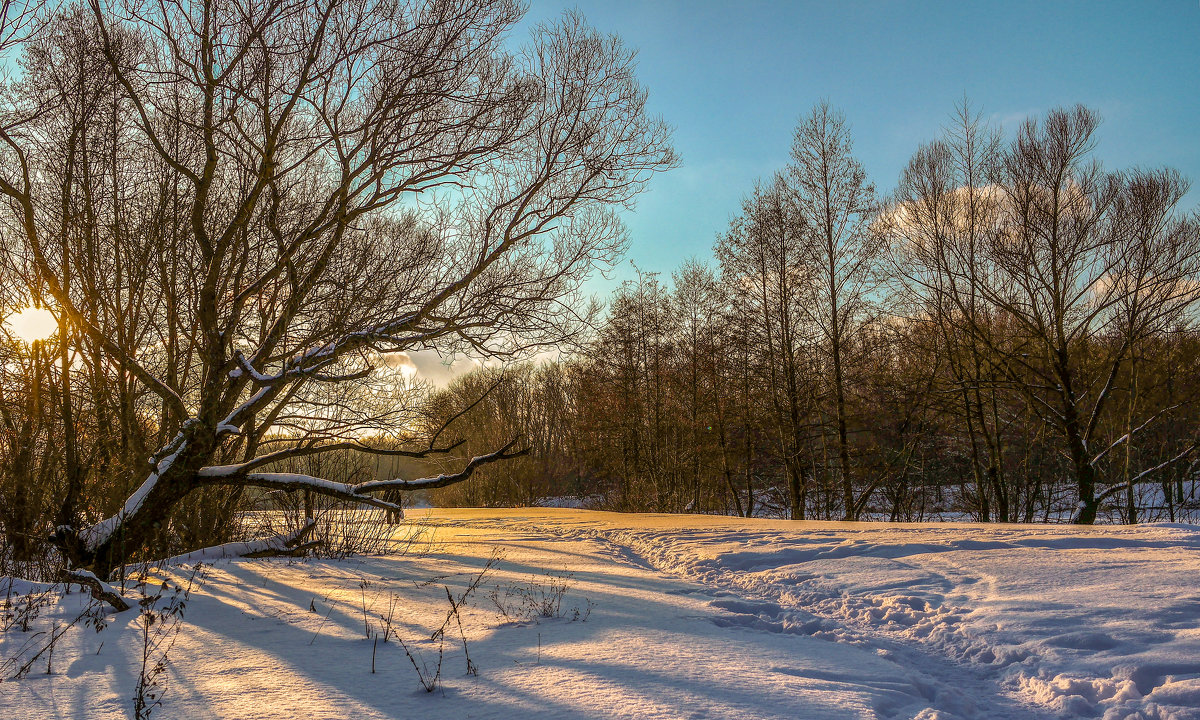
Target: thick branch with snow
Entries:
(354, 492)
(99, 589)
(284, 544)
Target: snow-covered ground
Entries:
(665, 617)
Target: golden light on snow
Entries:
(30, 324)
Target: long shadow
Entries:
(283, 629)
(262, 606)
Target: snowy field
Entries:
(602, 615)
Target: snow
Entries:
(14, 586)
(246, 365)
(569, 501)
(690, 617)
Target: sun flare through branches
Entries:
(30, 324)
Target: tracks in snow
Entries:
(955, 675)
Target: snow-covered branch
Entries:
(99, 533)
(239, 474)
(99, 589)
(285, 544)
(1144, 474)
(1135, 431)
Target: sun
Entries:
(30, 324)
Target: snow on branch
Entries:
(1144, 474)
(250, 370)
(240, 475)
(97, 534)
(99, 589)
(297, 368)
(285, 544)
(1133, 432)
(297, 481)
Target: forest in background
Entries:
(1010, 336)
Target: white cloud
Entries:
(402, 362)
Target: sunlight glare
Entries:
(30, 324)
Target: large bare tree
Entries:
(1045, 279)
(1083, 255)
(286, 192)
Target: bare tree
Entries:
(1157, 294)
(944, 210)
(698, 359)
(837, 204)
(1053, 270)
(763, 264)
(320, 185)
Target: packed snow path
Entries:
(690, 617)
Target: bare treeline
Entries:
(238, 212)
(1010, 337)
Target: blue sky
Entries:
(734, 77)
